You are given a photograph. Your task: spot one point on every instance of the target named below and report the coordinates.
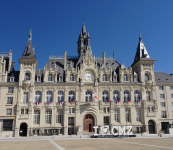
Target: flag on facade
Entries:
(94, 96)
(139, 100)
(60, 101)
(37, 101)
(118, 100)
(72, 100)
(128, 100)
(107, 100)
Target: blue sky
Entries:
(112, 24)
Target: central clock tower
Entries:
(83, 41)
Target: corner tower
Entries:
(83, 41)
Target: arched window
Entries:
(49, 77)
(37, 96)
(146, 77)
(115, 95)
(88, 96)
(60, 96)
(105, 95)
(104, 77)
(71, 77)
(49, 96)
(27, 76)
(71, 96)
(136, 95)
(125, 77)
(126, 95)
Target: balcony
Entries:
(26, 83)
(148, 82)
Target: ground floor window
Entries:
(36, 116)
(106, 120)
(7, 125)
(48, 116)
(59, 117)
(70, 131)
(71, 121)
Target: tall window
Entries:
(105, 95)
(115, 95)
(148, 95)
(125, 77)
(36, 116)
(9, 100)
(60, 96)
(48, 116)
(162, 96)
(37, 96)
(116, 115)
(59, 116)
(126, 95)
(160, 87)
(8, 111)
(163, 114)
(136, 95)
(106, 120)
(50, 77)
(71, 77)
(171, 95)
(146, 77)
(104, 77)
(27, 76)
(49, 96)
(171, 87)
(138, 114)
(38, 78)
(10, 89)
(162, 104)
(71, 96)
(127, 115)
(71, 121)
(25, 97)
(88, 96)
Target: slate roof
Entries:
(162, 77)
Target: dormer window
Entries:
(71, 77)
(11, 79)
(38, 78)
(49, 77)
(115, 78)
(27, 76)
(104, 77)
(60, 79)
(146, 77)
(135, 79)
(125, 78)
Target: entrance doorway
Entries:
(88, 123)
(165, 127)
(151, 126)
(23, 129)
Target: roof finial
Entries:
(113, 54)
(83, 18)
(140, 37)
(30, 35)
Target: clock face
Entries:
(88, 76)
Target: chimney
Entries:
(65, 58)
(104, 58)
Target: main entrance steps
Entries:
(88, 133)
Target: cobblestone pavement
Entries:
(89, 144)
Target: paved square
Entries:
(89, 144)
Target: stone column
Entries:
(16, 132)
(42, 117)
(65, 118)
(112, 112)
(121, 97)
(53, 117)
(43, 97)
(133, 115)
(54, 97)
(122, 115)
(55, 78)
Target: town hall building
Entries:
(71, 94)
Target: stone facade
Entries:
(59, 99)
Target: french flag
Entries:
(107, 100)
(128, 100)
(139, 100)
(60, 102)
(94, 96)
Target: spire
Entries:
(83, 32)
(29, 50)
(140, 37)
(30, 35)
(122, 65)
